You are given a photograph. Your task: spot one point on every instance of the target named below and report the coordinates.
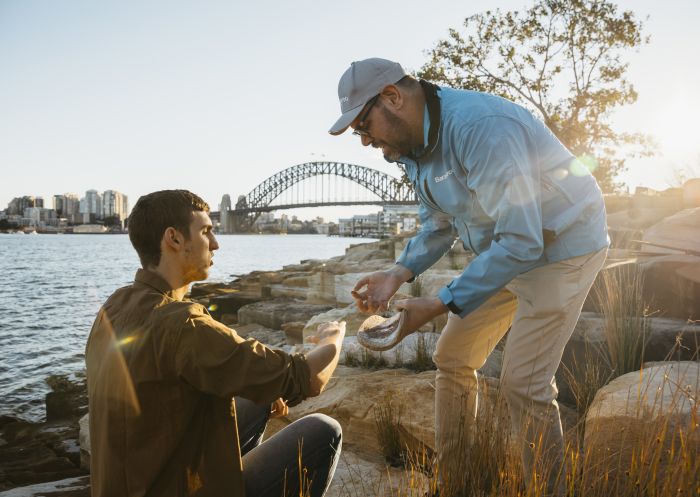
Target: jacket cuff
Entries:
(445, 295)
(300, 388)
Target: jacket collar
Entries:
(146, 277)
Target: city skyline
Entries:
(217, 97)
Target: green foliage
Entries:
(562, 59)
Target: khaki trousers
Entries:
(541, 308)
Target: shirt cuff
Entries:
(445, 295)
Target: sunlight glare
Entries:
(675, 127)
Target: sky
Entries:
(216, 96)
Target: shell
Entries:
(380, 333)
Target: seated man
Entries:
(162, 374)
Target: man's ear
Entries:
(173, 239)
(393, 96)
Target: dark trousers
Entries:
(298, 460)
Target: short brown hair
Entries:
(156, 212)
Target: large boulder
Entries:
(643, 418)
(416, 350)
(321, 287)
(353, 394)
(680, 231)
(637, 218)
(273, 313)
(367, 251)
(668, 339)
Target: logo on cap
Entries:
(343, 100)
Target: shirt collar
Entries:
(419, 151)
(153, 280)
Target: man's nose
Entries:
(213, 243)
(366, 140)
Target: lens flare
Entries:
(125, 341)
(583, 165)
(213, 308)
(560, 173)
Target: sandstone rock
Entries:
(672, 285)
(691, 193)
(321, 287)
(637, 218)
(208, 289)
(273, 313)
(367, 251)
(668, 339)
(342, 266)
(456, 259)
(294, 331)
(415, 348)
(365, 476)
(68, 487)
(230, 303)
(643, 412)
(681, 230)
(229, 319)
(287, 292)
(84, 442)
(344, 283)
(351, 315)
(353, 393)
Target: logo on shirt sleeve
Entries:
(438, 179)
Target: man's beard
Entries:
(401, 139)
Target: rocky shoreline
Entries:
(281, 308)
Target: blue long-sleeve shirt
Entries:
(500, 181)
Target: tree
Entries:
(563, 59)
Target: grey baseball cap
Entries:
(359, 83)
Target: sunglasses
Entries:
(360, 129)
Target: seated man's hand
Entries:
(278, 409)
(327, 331)
(323, 358)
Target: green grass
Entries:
(619, 293)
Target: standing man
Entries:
(534, 217)
(162, 374)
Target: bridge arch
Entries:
(388, 189)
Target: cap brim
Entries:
(344, 121)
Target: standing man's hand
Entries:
(419, 311)
(380, 287)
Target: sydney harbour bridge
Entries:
(315, 184)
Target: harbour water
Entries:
(51, 287)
